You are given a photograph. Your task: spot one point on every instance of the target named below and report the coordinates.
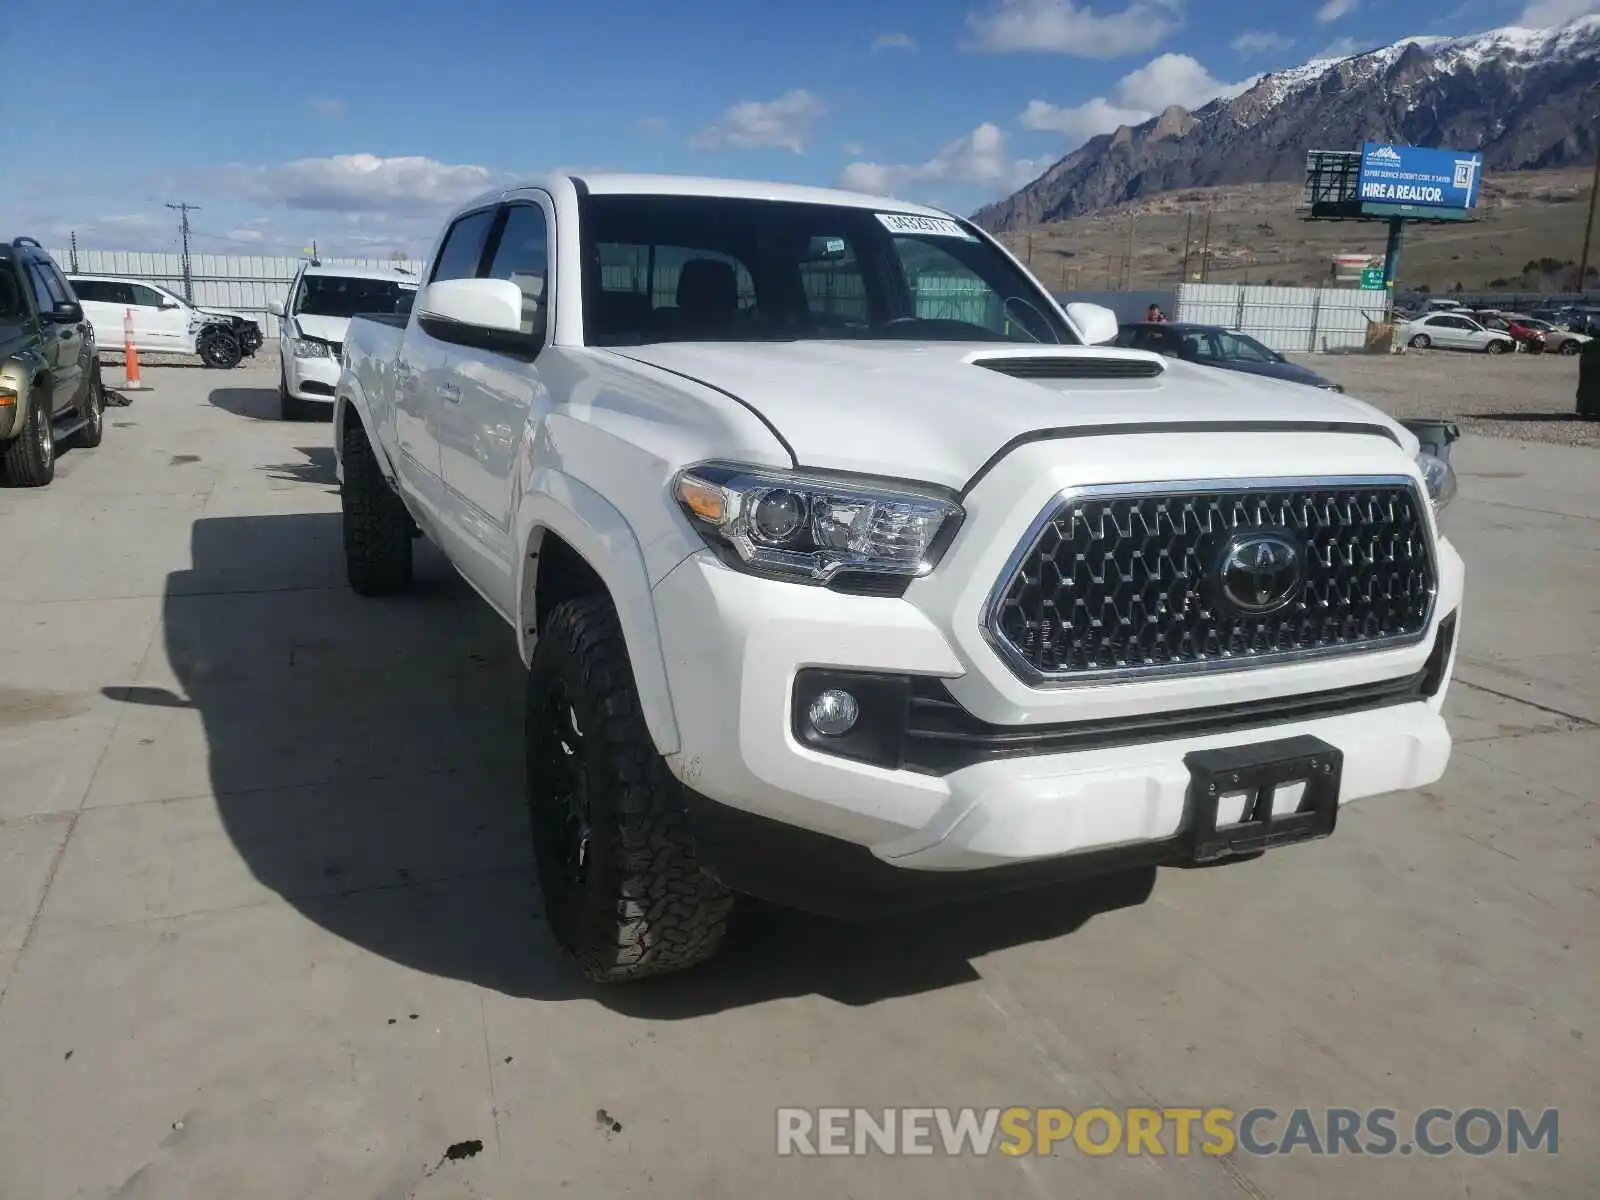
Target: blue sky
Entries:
(359, 123)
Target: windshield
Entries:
(705, 268)
(344, 296)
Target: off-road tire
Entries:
(289, 408)
(644, 905)
(26, 460)
(1421, 342)
(377, 528)
(219, 349)
(94, 412)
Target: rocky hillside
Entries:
(1524, 97)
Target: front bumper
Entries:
(313, 379)
(736, 645)
(1026, 783)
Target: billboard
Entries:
(1412, 175)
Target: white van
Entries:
(314, 320)
(163, 322)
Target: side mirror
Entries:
(1096, 324)
(275, 307)
(66, 312)
(487, 304)
(169, 302)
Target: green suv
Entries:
(49, 366)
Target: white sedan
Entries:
(1452, 331)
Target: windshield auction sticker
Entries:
(931, 226)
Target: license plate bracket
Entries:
(1259, 770)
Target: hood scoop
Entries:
(1073, 367)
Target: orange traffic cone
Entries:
(130, 356)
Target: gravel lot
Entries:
(268, 925)
(1530, 398)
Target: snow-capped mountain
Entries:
(1527, 98)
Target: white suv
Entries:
(163, 322)
(322, 299)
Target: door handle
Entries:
(450, 391)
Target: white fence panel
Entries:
(242, 282)
(1290, 320)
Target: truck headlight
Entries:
(1440, 478)
(817, 528)
(306, 348)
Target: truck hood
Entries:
(925, 410)
(328, 329)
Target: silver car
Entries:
(1452, 331)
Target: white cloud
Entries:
(979, 158)
(1545, 14)
(654, 126)
(1134, 99)
(853, 149)
(1259, 41)
(783, 124)
(894, 41)
(1334, 9)
(331, 110)
(1065, 27)
(245, 235)
(360, 183)
(1338, 48)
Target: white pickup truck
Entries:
(851, 571)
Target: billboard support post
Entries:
(1391, 260)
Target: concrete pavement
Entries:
(268, 926)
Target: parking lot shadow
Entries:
(366, 759)
(317, 466)
(257, 403)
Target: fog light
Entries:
(834, 712)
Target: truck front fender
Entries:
(556, 503)
(352, 398)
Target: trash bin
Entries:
(1589, 381)
(1435, 436)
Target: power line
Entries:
(183, 210)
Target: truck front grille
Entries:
(1130, 581)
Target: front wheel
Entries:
(1568, 348)
(289, 408)
(1421, 342)
(30, 459)
(1496, 347)
(623, 892)
(219, 348)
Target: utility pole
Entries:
(1127, 280)
(1188, 233)
(1588, 224)
(72, 259)
(1030, 250)
(1205, 250)
(183, 210)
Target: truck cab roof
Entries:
(618, 183)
